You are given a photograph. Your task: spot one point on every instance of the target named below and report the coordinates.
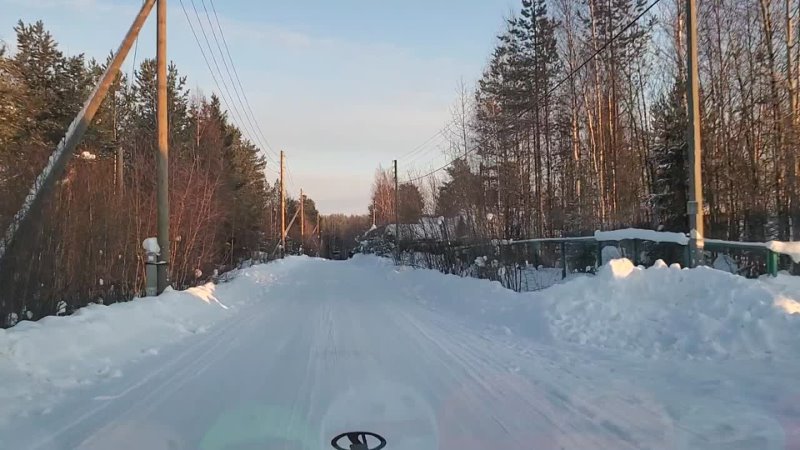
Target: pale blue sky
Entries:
(341, 85)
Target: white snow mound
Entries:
(698, 313)
(56, 353)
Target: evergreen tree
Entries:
(671, 181)
(410, 203)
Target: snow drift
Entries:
(697, 313)
(658, 312)
(97, 341)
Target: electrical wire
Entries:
(239, 80)
(558, 84)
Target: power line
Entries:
(440, 132)
(238, 80)
(205, 58)
(225, 102)
(230, 76)
(214, 60)
(558, 84)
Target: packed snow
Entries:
(290, 353)
(792, 249)
(645, 235)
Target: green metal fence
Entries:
(532, 264)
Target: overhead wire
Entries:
(239, 80)
(235, 111)
(226, 103)
(555, 86)
(258, 139)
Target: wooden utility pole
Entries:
(162, 169)
(396, 212)
(695, 206)
(319, 234)
(283, 204)
(47, 178)
(302, 219)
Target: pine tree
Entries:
(671, 181)
(410, 203)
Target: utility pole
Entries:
(695, 205)
(162, 170)
(396, 212)
(302, 219)
(283, 204)
(45, 181)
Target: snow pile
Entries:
(659, 312)
(698, 313)
(94, 343)
(787, 248)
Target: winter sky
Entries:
(341, 85)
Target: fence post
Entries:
(772, 263)
(599, 254)
(687, 256)
(563, 260)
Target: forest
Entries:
(578, 123)
(86, 244)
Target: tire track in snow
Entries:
(190, 363)
(481, 355)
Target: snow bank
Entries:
(659, 312)
(94, 343)
(698, 313)
(645, 235)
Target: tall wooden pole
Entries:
(302, 219)
(45, 181)
(162, 169)
(396, 212)
(283, 204)
(695, 206)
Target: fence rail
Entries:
(532, 264)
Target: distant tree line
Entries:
(548, 148)
(85, 246)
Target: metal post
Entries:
(162, 169)
(563, 260)
(65, 148)
(283, 204)
(695, 206)
(772, 263)
(599, 254)
(396, 212)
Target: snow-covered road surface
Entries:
(323, 347)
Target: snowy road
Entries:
(334, 346)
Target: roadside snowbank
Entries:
(657, 312)
(94, 343)
(698, 313)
